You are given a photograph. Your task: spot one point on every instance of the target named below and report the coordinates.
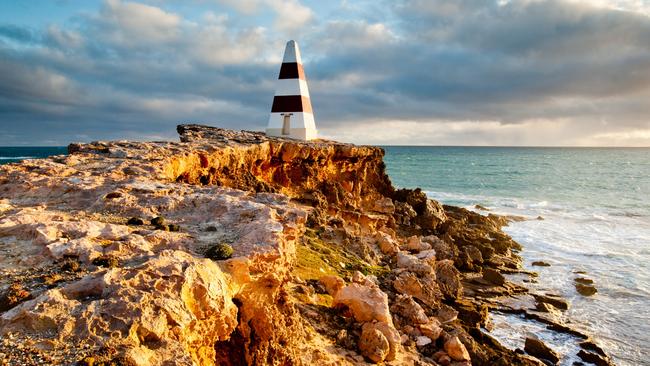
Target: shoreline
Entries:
(317, 229)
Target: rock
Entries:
(219, 252)
(108, 261)
(426, 254)
(135, 221)
(591, 346)
(157, 221)
(446, 314)
(384, 205)
(332, 284)
(13, 296)
(174, 227)
(367, 303)
(422, 341)
(448, 279)
(540, 264)
(386, 244)
(407, 308)
(456, 350)
(540, 218)
(358, 277)
(415, 244)
(584, 281)
(593, 358)
(373, 344)
(552, 300)
(493, 276)
(443, 250)
(444, 360)
(113, 195)
(472, 314)
(543, 307)
(585, 290)
(70, 265)
(482, 208)
(412, 263)
(473, 253)
(430, 213)
(432, 329)
(393, 337)
(424, 289)
(537, 348)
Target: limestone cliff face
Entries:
(109, 256)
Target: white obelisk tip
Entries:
(292, 53)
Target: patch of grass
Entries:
(317, 258)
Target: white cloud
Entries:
(539, 132)
(131, 23)
(290, 14)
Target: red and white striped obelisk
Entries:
(291, 114)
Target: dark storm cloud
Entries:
(134, 71)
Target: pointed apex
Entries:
(292, 52)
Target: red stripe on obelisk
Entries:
(291, 103)
(291, 70)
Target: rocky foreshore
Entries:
(233, 248)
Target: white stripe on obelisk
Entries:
(291, 87)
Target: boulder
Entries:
(552, 300)
(408, 309)
(415, 244)
(585, 290)
(432, 329)
(367, 303)
(384, 205)
(412, 263)
(332, 284)
(448, 279)
(392, 336)
(493, 276)
(456, 350)
(584, 281)
(537, 348)
(373, 344)
(442, 248)
(541, 264)
(386, 244)
(473, 254)
(426, 255)
(422, 341)
(430, 214)
(424, 289)
(594, 358)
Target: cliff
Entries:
(232, 248)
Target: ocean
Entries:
(595, 203)
(13, 154)
(596, 209)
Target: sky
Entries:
(401, 72)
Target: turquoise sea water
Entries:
(596, 208)
(13, 153)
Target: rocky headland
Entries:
(233, 248)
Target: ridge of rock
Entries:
(331, 265)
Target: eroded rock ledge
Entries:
(331, 264)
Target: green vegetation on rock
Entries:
(219, 252)
(317, 258)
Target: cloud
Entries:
(543, 72)
(134, 24)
